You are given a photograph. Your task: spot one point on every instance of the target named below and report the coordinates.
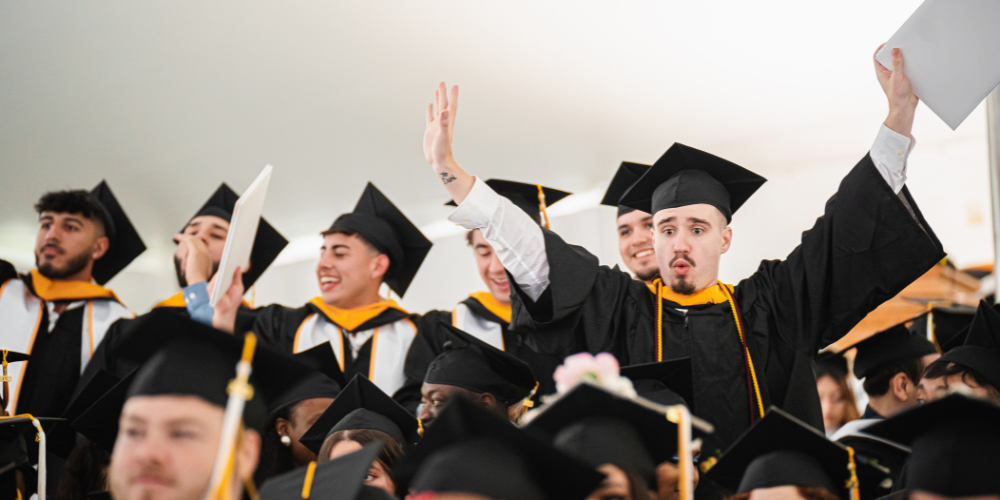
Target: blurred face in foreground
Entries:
(166, 449)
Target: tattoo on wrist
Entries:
(446, 177)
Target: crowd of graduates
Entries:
(565, 379)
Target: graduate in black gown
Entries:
(371, 335)
(486, 314)
(751, 345)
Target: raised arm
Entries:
(516, 239)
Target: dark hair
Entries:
(468, 237)
(877, 383)
(943, 368)
(806, 492)
(275, 458)
(76, 201)
(637, 485)
(84, 473)
(350, 232)
(391, 454)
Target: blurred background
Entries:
(165, 100)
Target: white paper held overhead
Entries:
(951, 50)
(242, 231)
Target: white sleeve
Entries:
(514, 236)
(889, 154)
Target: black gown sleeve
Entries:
(587, 306)
(869, 244)
(275, 326)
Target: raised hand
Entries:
(441, 126)
(437, 143)
(902, 101)
(195, 260)
(224, 313)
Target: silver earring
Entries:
(285, 440)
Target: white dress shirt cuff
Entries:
(478, 207)
(889, 154)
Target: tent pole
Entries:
(993, 133)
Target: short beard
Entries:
(648, 275)
(72, 268)
(683, 287)
(179, 269)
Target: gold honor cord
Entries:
(40, 439)
(680, 415)
(6, 386)
(746, 349)
(240, 391)
(542, 206)
(308, 483)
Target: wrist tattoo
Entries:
(446, 177)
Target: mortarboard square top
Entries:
(362, 405)
(472, 450)
(688, 176)
(326, 382)
(340, 479)
(781, 450)
(981, 350)
(479, 367)
(267, 244)
(624, 178)
(524, 196)
(890, 347)
(665, 382)
(383, 225)
(125, 243)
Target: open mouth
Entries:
(681, 268)
(328, 282)
(500, 281)
(642, 254)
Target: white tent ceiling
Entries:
(167, 99)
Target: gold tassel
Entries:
(659, 319)
(307, 485)
(542, 206)
(852, 483)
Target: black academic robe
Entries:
(869, 244)
(281, 328)
(430, 343)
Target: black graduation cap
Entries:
(99, 422)
(362, 405)
(325, 382)
(470, 450)
(183, 356)
(267, 243)
(524, 196)
(832, 364)
(666, 382)
(99, 384)
(981, 350)
(688, 176)
(781, 450)
(338, 479)
(888, 348)
(19, 450)
(588, 402)
(624, 178)
(474, 365)
(384, 226)
(603, 440)
(125, 243)
(14, 356)
(953, 442)
(947, 324)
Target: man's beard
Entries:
(647, 275)
(73, 267)
(682, 286)
(179, 269)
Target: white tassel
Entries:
(41, 458)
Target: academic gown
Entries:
(481, 316)
(883, 452)
(59, 346)
(869, 244)
(245, 315)
(390, 330)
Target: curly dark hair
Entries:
(76, 201)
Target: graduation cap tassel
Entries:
(852, 483)
(240, 391)
(40, 438)
(659, 320)
(307, 484)
(527, 403)
(541, 206)
(680, 415)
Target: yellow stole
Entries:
(349, 319)
(493, 305)
(49, 290)
(710, 295)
